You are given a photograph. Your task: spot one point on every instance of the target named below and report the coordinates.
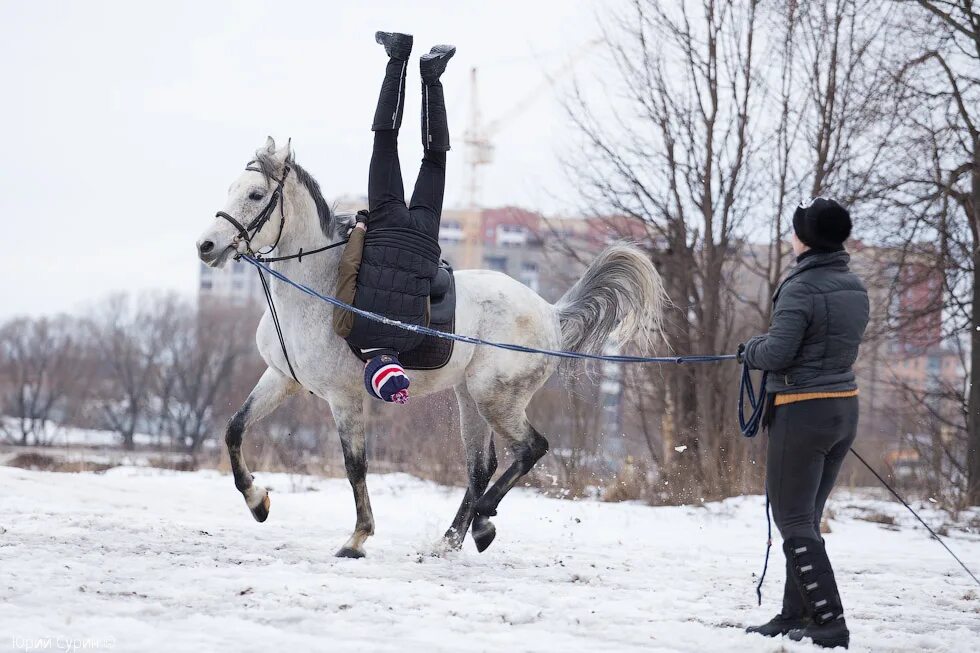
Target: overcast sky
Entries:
(126, 121)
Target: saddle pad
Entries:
(434, 353)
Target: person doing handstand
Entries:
(388, 268)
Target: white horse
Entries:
(620, 293)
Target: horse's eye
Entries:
(255, 196)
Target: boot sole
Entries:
(439, 52)
(778, 633)
(824, 643)
(404, 56)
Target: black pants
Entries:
(808, 441)
(386, 191)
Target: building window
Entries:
(451, 231)
(498, 263)
(529, 275)
(511, 235)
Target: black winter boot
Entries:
(829, 635)
(398, 46)
(815, 577)
(391, 101)
(435, 123)
(433, 64)
(778, 626)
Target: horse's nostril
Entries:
(206, 247)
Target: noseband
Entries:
(249, 232)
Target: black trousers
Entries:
(808, 441)
(386, 190)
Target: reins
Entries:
(299, 256)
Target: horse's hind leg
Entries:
(481, 463)
(527, 445)
(483, 529)
(348, 413)
(271, 390)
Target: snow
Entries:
(146, 559)
(53, 434)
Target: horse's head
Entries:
(252, 216)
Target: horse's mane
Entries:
(271, 168)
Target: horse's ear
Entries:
(289, 149)
(270, 145)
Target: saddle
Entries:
(434, 352)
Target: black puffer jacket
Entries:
(820, 314)
(397, 268)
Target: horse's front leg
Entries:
(271, 390)
(348, 413)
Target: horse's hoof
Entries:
(483, 533)
(347, 552)
(261, 509)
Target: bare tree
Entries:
(932, 186)
(197, 364)
(38, 359)
(832, 107)
(129, 337)
(672, 154)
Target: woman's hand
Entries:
(361, 225)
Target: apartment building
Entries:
(236, 284)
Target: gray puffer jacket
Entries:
(819, 317)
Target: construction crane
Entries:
(478, 137)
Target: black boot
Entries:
(793, 616)
(829, 635)
(815, 577)
(391, 102)
(433, 64)
(398, 46)
(779, 625)
(435, 123)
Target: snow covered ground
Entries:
(53, 434)
(142, 559)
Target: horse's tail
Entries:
(621, 294)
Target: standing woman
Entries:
(820, 312)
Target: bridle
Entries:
(256, 225)
(247, 233)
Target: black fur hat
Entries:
(822, 224)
